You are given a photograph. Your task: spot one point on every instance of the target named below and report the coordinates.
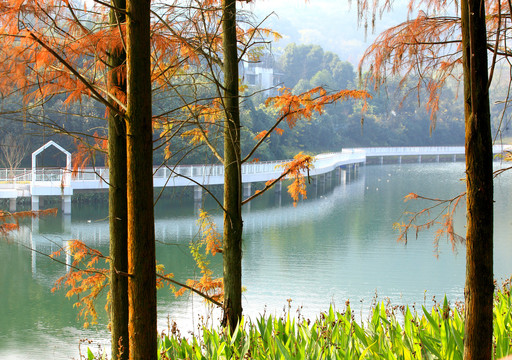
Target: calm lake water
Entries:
(338, 244)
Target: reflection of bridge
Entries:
(44, 182)
(326, 192)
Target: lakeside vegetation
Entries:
(389, 332)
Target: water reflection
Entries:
(336, 245)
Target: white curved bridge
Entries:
(60, 182)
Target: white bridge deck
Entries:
(45, 182)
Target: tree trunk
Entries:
(141, 232)
(479, 186)
(232, 240)
(117, 202)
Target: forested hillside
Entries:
(395, 116)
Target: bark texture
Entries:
(117, 202)
(141, 232)
(479, 186)
(232, 238)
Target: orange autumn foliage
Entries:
(210, 242)
(425, 52)
(84, 279)
(294, 107)
(440, 216)
(297, 170)
(10, 221)
(88, 277)
(85, 153)
(195, 136)
(261, 134)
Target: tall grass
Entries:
(390, 333)
(427, 334)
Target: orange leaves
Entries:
(295, 170)
(270, 182)
(410, 196)
(161, 276)
(206, 285)
(425, 49)
(293, 107)
(211, 241)
(209, 234)
(261, 135)
(439, 215)
(7, 227)
(86, 153)
(86, 284)
(195, 136)
(10, 221)
(43, 58)
(208, 113)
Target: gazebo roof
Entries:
(46, 146)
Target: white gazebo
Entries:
(45, 185)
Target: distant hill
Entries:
(332, 24)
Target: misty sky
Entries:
(330, 23)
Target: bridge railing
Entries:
(18, 175)
(425, 150)
(101, 174)
(202, 171)
(90, 174)
(215, 170)
(48, 174)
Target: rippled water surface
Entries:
(338, 244)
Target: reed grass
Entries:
(391, 333)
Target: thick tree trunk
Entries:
(117, 203)
(141, 232)
(479, 186)
(232, 246)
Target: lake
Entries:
(338, 244)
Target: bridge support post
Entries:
(419, 158)
(278, 187)
(437, 158)
(454, 158)
(382, 160)
(33, 246)
(66, 204)
(35, 226)
(12, 205)
(400, 159)
(277, 198)
(35, 202)
(246, 190)
(198, 194)
(339, 171)
(66, 222)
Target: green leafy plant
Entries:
(389, 333)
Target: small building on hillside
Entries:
(261, 75)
